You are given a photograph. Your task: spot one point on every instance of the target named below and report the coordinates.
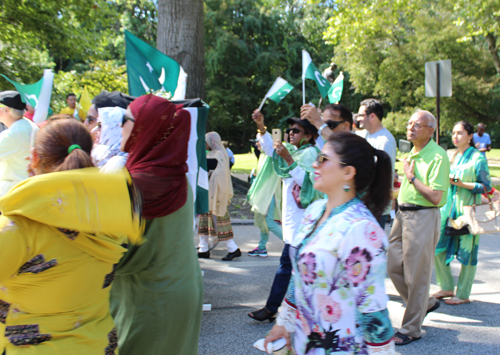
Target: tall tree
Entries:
(180, 35)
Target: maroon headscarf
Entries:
(158, 146)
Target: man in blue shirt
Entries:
(481, 139)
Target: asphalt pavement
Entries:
(235, 288)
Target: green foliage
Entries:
(384, 46)
(248, 45)
(103, 75)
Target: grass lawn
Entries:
(244, 163)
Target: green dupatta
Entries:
(304, 157)
(265, 186)
(469, 167)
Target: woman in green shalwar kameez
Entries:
(468, 174)
(157, 295)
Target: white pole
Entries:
(262, 103)
(303, 91)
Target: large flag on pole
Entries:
(309, 71)
(335, 92)
(149, 70)
(278, 91)
(37, 95)
(197, 159)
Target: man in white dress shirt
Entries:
(15, 142)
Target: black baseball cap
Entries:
(304, 123)
(12, 99)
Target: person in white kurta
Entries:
(15, 142)
(301, 136)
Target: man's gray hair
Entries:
(17, 113)
(431, 120)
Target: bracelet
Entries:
(321, 129)
(260, 132)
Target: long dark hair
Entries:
(468, 128)
(373, 179)
(53, 141)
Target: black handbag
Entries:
(456, 232)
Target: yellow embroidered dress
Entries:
(60, 236)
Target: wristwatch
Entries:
(412, 179)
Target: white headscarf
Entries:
(111, 135)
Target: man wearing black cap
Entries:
(296, 181)
(15, 142)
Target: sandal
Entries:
(405, 339)
(455, 301)
(262, 315)
(443, 294)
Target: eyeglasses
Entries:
(125, 119)
(287, 131)
(415, 126)
(321, 157)
(334, 124)
(295, 131)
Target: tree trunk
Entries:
(492, 47)
(180, 36)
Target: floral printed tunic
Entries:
(339, 282)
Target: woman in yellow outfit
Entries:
(61, 232)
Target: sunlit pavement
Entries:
(237, 287)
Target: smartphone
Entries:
(277, 135)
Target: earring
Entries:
(346, 188)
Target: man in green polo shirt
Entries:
(415, 232)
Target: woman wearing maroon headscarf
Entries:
(157, 295)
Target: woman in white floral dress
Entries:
(336, 301)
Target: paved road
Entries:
(237, 287)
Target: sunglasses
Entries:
(125, 119)
(334, 124)
(321, 157)
(295, 131)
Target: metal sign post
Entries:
(438, 90)
(438, 84)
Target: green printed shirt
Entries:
(432, 167)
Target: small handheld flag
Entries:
(335, 92)
(37, 95)
(278, 91)
(309, 71)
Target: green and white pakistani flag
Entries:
(149, 70)
(335, 92)
(197, 157)
(309, 71)
(37, 95)
(278, 91)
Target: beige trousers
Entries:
(410, 259)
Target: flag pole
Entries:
(303, 91)
(262, 103)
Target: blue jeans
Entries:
(272, 226)
(281, 280)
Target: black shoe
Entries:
(262, 315)
(433, 308)
(231, 256)
(204, 255)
